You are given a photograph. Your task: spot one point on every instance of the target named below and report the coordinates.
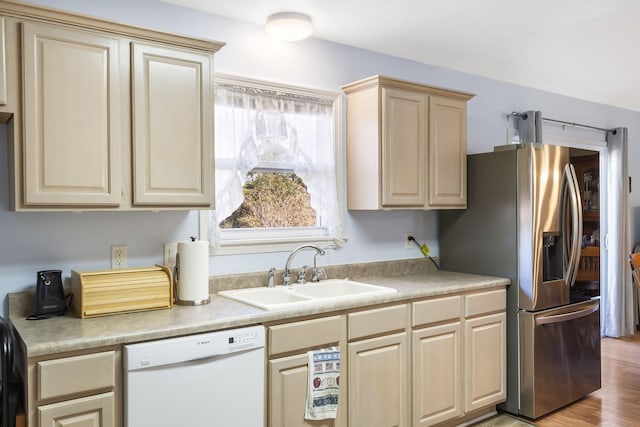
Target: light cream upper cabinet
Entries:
(447, 152)
(404, 127)
(72, 135)
(406, 145)
(102, 115)
(3, 64)
(172, 126)
(7, 78)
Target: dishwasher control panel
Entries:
(193, 347)
(245, 339)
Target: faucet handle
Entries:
(316, 273)
(302, 271)
(270, 280)
(286, 279)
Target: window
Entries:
(276, 171)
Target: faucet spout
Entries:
(287, 272)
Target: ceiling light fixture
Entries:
(289, 26)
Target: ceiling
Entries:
(586, 49)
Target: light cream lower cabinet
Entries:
(82, 389)
(105, 116)
(439, 361)
(459, 356)
(406, 145)
(485, 350)
(288, 369)
(92, 411)
(378, 367)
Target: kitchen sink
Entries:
(330, 290)
(266, 298)
(338, 288)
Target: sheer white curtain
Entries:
(617, 294)
(256, 127)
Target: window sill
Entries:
(266, 245)
(276, 240)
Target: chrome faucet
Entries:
(302, 274)
(272, 273)
(317, 272)
(287, 272)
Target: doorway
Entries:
(587, 167)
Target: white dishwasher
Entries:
(214, 379)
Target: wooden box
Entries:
(103, 292)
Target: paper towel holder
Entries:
(176, 285)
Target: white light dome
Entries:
(289, 26)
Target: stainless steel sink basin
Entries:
(296, 295)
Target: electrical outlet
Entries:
(118, 256)
(408, 244)
(170, 251)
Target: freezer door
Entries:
(559, 356)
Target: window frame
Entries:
(259, 240)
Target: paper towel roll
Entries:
(192, 274)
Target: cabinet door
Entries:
(404, 145)
(287, 393)
(437, 374)
(172, 126)
(71, 110)
(92, 411)
(3, 65)
(379, 382)
(485, 361)
(447, 152)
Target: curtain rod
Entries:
(524, 116)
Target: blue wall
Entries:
(35, 241)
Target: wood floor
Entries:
(617, 403)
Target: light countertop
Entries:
(70, 333)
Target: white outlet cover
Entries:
(408, 244)
(170, 251)
(119, 256)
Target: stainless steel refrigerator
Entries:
(524, 221)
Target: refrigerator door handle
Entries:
(557, 318)
(571, 187)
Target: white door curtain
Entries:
(617, 294)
